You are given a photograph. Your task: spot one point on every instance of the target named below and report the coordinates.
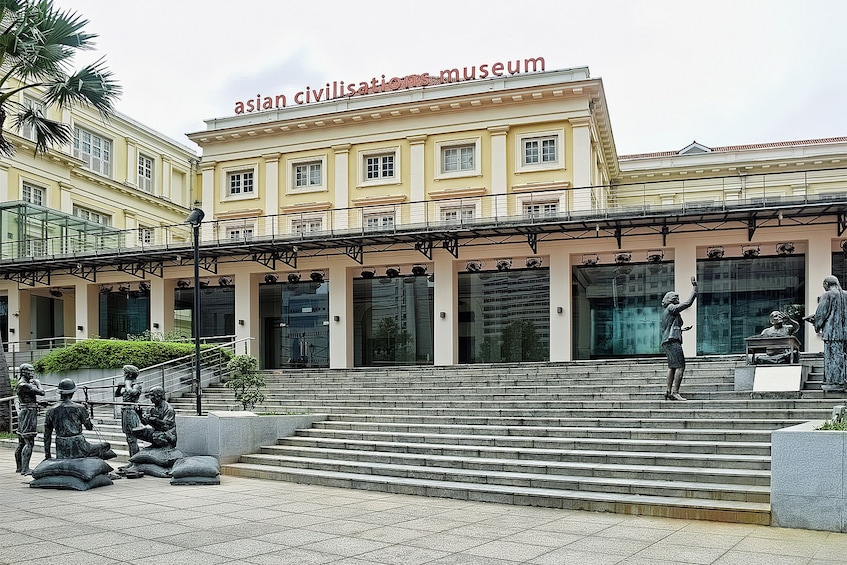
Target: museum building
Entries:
(443, 219)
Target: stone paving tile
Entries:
(192, 538)
(794, 546)
(446, 541)
(185, 557)
(465, 559)
(542, 537)
(403, 555)
(34, 550)
(509, 551)
(346, 546)
(574, 526)
(293, 555)
(77, 558)
(598, 545)
(749, 558)
(295, 537)
(134, 550)
(680, 553)
(626, 531)
(241, 548)
(391, 534)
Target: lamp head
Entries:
(195, 217)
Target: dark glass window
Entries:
(124, 314)
(392, 321)
(504, 316)
(736, 296)
(294, 321)
(217, 311)
(617, 308)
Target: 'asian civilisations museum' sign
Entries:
(337, 89)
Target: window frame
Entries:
(35, 189)
(239, 232)
(28, 101)
(292, 164)
(303, 219)
(225, 180)
(107, 145)
(92, 216)
(142, 181)
(521, 140)
(558, 197)
(459, 207)
(145, 235)
(382, 152)
(442, 146)
(380, 214)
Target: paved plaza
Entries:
(147, 521)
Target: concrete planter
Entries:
(808, 471)
(229, 435)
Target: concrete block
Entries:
(744, 377)
(778, 378)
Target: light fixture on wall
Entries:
(590, 259)
(105, 288)
(844, 245)
(419, 270)
(204, 282)
(144, 286)
(271, 278)
(715, 252)
(183, 283)
(623, 257)
(534, 262)
(294, 278)
(225, 280)
(750, 251)
(57, 292)
(474, 266)
(504, 264)
(392, 272)
(124, 288)
(317, 276)
(368, 273)
(655, 256)
(785, 248)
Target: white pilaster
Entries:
(341, 220)
(685, 267)
(131, 162)
(246, 311)
(581, 163)
(86, 306)
(167, 175)
(341, 305)
(818, 266)
(417, 192)
(4, 184)
(207, 190)
(499, 167)
(446, 298)
(161, 304)
(561, 344)
(271, 193)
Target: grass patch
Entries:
(834, 425)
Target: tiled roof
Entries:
(751, 147)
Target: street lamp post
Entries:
(195, 218)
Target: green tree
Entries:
(246, 381)
(37, 45)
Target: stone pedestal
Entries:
(777, 378)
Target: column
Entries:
(246, 311)
(446, 298)
(341, 221)
(818, 266)
(167, 175)
(87, 309)
(499, 166)
(66, 203)
(208, 200)
(4, 184)
(581, 163)
(131, 223)
(340, 330)
(15, 322)
(161, 305)
(417, 188)
(685, 267)
(561, 342)
(271, 194)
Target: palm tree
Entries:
(37, 44)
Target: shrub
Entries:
(246, 381)
(111, 354)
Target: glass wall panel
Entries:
(217, 306)
(393, 321)
(736, 296)
(124, 313)
(617, 308)
(294, 330)
(504, 316)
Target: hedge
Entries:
(113, 354)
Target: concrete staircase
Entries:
(580, 435)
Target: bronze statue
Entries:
(781, 326)
(830, 320)
(27, 390)
(671, 332)
(130, 391)
(68, 419)
(159, 422)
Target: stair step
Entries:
(673, 507)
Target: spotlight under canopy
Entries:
(271, 278)
(294, 277)
(715, 252)
(474, 266)
(590, 259)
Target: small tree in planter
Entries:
(246, 381)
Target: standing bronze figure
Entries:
(830, 322)
(27, 390)
(671, 331)
(130, 392)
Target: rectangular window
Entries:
(306, 226)
(308, 174)
(384, 221)
(240, 182)
(32, 194)
(378, 167)
(458, 215)
(541, 209)
(239, 234)
(94, 150)
(27, 131)
(458, 158)
(540, 150)
(145, 235)
(145, 173)
(92, 216)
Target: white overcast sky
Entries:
(721, 72)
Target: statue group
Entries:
(830, 322)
